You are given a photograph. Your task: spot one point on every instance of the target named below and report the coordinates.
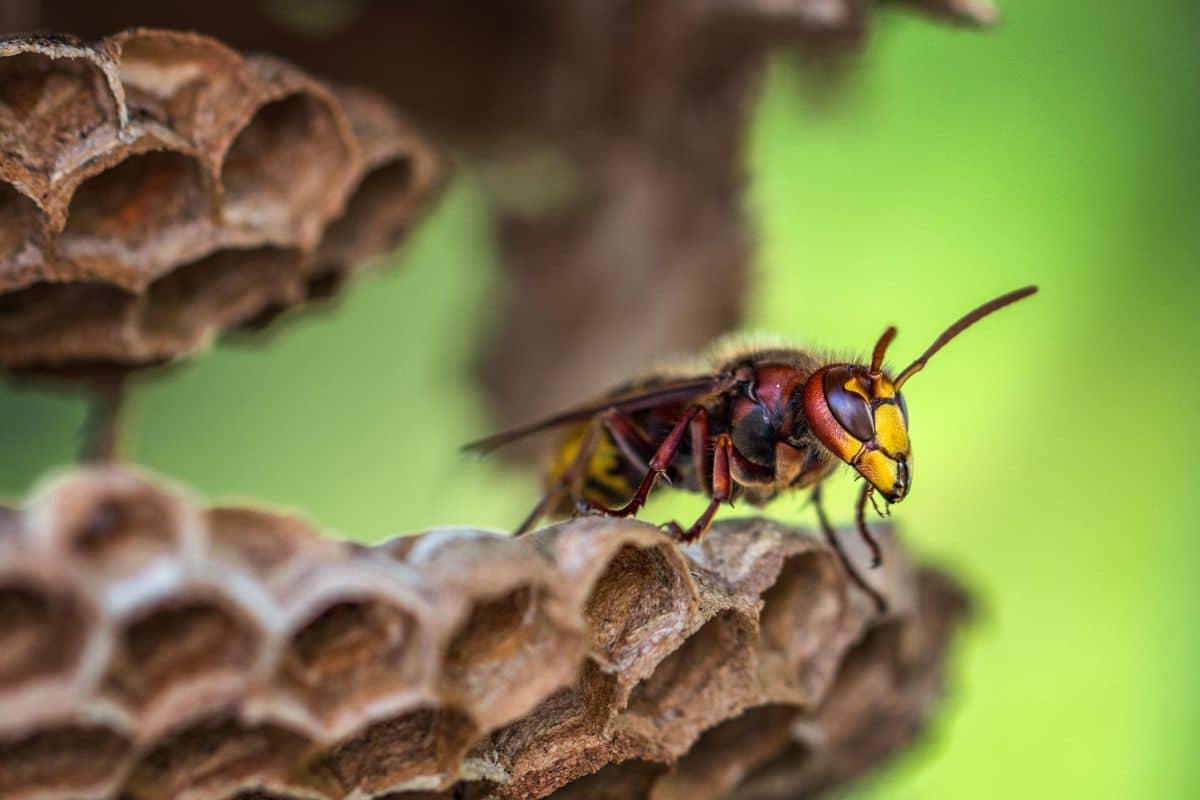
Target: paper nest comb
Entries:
(153, 648)
(157, 188)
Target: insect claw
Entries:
(583, 508)
(672, 528)
(875, 505)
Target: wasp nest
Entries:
(157, 188)
(155, 649)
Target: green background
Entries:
(1054, 443)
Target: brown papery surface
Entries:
(158, 188)
(156, 648)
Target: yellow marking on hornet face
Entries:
(881, 472)
(888, 467)
(890, 432)
(856, 386)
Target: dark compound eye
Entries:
(903, 407)
(849, 409)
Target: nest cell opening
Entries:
(375, 219)
(219, 291)
(781, 773)
(71, 761)
(177, 645)
(563, 724)
(726, 752)
(420, 750)
(215, 758)
(122, 532)
(50, 103)
(280, 170)
(800, 602)
(170, 66)
(138, 211)
(633, 602)
(698, 682)
(63, 324)
(802, 620)
(350, 654)
(875, 657)
(256, 540)
(383, 186)
(42, 633)
(504, 656)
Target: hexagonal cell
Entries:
(722, 756)
(115, 527)
(640, 596)
(375, 219)
(875, 706)
(42, 635)
(214, 758)
(266, 544)
(507, 656)
(546, 744)
(420, 750)
(67, 762)
(789, 773)
(138, 218)
(63, 324)
(264, 191)
(866, 677)
(186, 80)
(51, 108)
(708, 678)
(22, 233)
(187, 306)
(181, 658)
(803, 628)
(349, 656)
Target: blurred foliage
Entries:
(1053, 468)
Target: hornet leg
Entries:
(569, 481)
(629, 439)
(868, 492)
(659, 463)
(831, 537)
(722, 490)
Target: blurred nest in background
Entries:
(610, 136)
(158, 189)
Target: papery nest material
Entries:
(154, 648)
(158, 189)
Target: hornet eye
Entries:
(850, 410)
(903, 407)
